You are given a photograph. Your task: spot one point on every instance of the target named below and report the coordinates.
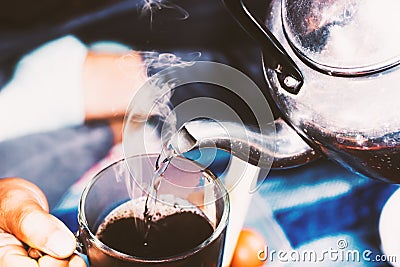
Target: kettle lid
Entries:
(344, 37)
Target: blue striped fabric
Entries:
(322, 206)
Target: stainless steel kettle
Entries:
(332, 67)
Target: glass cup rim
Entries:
(83, 224)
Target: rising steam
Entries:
(150, 7)
(152, 100)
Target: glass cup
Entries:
(120, 190)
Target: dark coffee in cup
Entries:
(173, 231)
(169, 236)
(185, 224)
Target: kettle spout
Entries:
(240, 141)
(277, 146)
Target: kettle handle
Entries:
(289, 75)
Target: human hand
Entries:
(109, 82)
(24, 218)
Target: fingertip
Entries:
(61, 244)
(14, 255)
(13, 260)
(77, 261)
(48, 261)
(48, 234)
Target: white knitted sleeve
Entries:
(46, 90)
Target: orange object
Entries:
(250, 242)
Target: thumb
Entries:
(24, 214)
